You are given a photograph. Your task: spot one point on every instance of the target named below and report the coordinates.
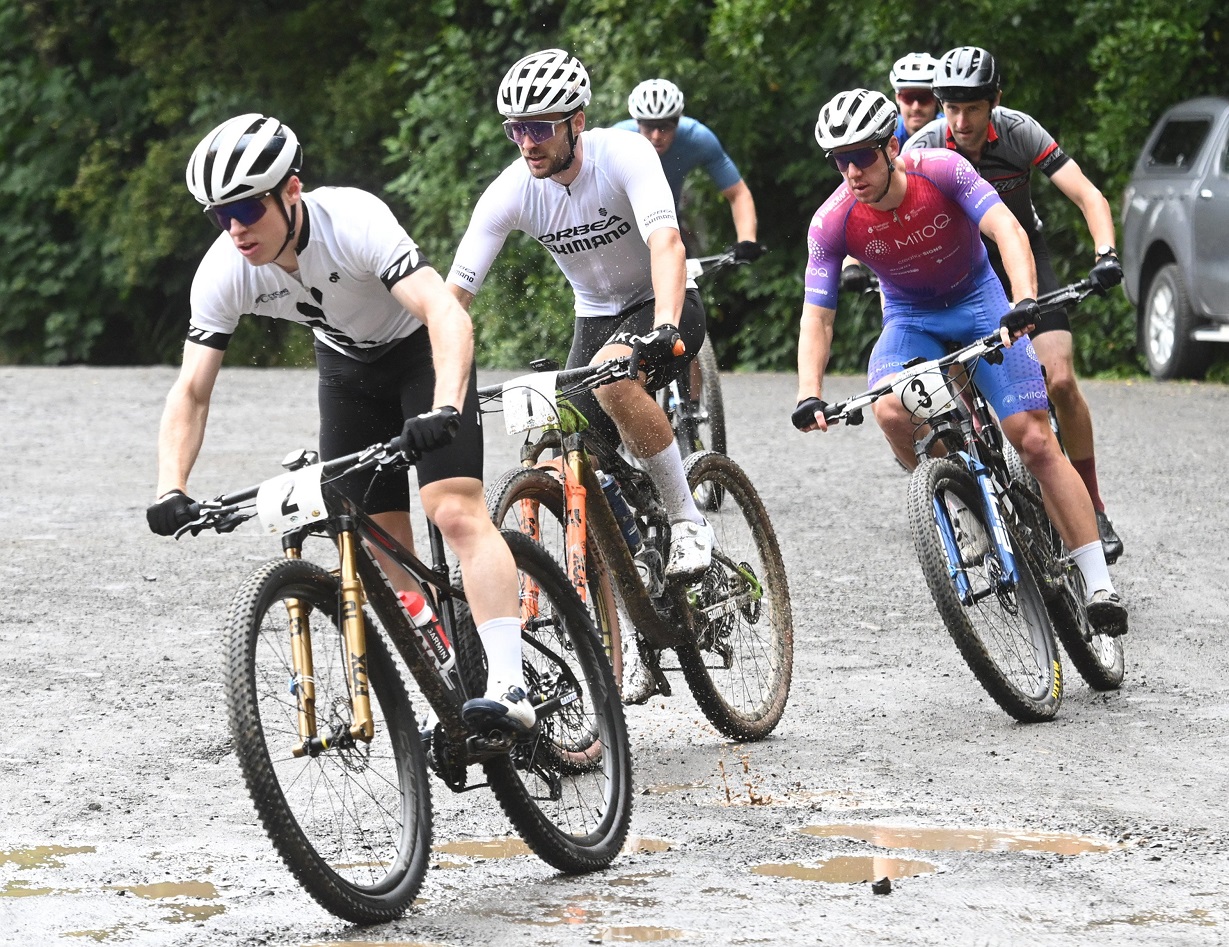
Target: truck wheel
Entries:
(1165, 329)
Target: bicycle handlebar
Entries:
(573, 380)
(703, 265)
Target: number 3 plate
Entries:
(292, 500)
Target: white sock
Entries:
(666, 469)
(1090, 560)
(501, 639)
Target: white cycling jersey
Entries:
(351, 252)
(596, 228)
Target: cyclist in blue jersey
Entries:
(911, 79)
(682, 143)
(1005, 145)
(917, 221)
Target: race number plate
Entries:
(292, 500)
(529, 402)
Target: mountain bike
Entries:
(730, 627)
(322, 723)
(998, 572)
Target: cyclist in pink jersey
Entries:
(917, 222)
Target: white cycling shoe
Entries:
(691, 547)
(509, 713)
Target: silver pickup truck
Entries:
(1175, 238)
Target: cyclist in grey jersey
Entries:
(599, 203)
(1005, 146)
(337, 260)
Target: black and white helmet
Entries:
(654, 100)
(244, 156)
(854, 117)
(544, 82)
(914, 71)
(966, 74)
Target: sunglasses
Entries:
(247, 212)
(916, 97)
(863, 158)
(535, 132)
(662, 126)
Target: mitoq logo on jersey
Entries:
(925, 233)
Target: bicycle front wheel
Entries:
(567, 787)
(1099, 659)
(352, 823)
(1001, 628)
(741, 660)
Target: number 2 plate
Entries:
(292, 500)
(529, 402)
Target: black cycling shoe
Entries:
(1111, 545)
(1107, 614)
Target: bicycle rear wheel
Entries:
(1003, 631)
(698, 418)
(567, 787)
(1099, 659)
(740, 663)
(529, 500)
(353, 824)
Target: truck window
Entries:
(1178, 145)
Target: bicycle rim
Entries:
(352, 824)
(567, 786)
(1002, 630)
(740, 662)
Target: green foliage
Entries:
(101, 102)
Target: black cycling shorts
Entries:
(364, 403)
(1047, 282)
(593, 333)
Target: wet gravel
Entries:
(123, 818)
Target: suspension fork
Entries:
(303, 682)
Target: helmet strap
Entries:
(291, 223)
(571, 147)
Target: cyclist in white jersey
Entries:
(337, 260)
(598, 201)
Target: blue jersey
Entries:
(901, 135)
(694, 145)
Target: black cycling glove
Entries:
(854, 279)
(170, 512)
(655, 352)
(747, 251)
(1106, 274)
(428, 431)
(804, 415)
(1021, 318)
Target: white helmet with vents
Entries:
(655, 100)
(245, 156)
(542, 83)
(854, 117)
(914, 71)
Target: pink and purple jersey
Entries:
(926, 251)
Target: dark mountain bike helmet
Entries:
(966, 74)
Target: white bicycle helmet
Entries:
(655, 100)
(244, 156)
(966, 74)
(548, 81)
(853, 117)
(914, 71)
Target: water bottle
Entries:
(429, 629)
(623, 513)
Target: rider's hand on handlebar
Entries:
(747, 251)
(173, 510)
(854, 279)
(655, 352)
(428, 431)
(809, 415)
(1106, 274)
(1019, 320)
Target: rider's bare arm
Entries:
(182, 429)
(814, 347)
(1001, 226)
(1088, 198)
(742, 209)
(669, 273)
(425, 296)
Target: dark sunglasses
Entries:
(916, 97)
(863, 158)
(247, 212)
(536, 132)
(664, 125)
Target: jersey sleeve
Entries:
(638, 170)
(374, 241)
(719, 165)
(494, 217)
(957, 179)
(217, 289)
(826, 250)
(1038, 144)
